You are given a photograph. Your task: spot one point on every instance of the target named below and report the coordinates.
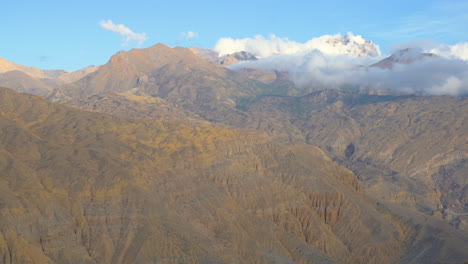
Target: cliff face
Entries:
(82, 187)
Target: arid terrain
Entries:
(169, 155)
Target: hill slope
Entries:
(386, 140)
(92, 188)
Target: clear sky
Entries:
(68, 35)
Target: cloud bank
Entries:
(124, 31)
(446, 74)
(457, 51)
(349, 44)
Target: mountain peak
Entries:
(159, 46)
(404, 56)
(349, 44)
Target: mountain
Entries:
(36, 81)
(6, 66)
(226, 60)
(236, 57)
(405, 56)
(386, 140)
(228, 167)
(81, 187)
(374, 135)
(24, 83)
(378, 137)
(206, 54)
(174, 74)
(76, 75)
(353, 45)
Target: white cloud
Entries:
(349, 44)
(124, 31)
(189, 35)
(335, 61)
(314, 69)
(457, 51)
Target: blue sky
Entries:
(67, 34)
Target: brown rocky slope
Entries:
(80, 187)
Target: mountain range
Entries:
(166, 155)
(37, 81)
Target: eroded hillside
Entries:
(92, 188)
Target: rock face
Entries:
(83, 187)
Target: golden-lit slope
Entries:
(80, 187)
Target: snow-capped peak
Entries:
(349, 44)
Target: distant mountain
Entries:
(405, 56)
(37, 81)
(226, 60)
(6, 66)
(24, 83)
(236, 57)
(353, 45)
(76, 75)
(206, 54)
